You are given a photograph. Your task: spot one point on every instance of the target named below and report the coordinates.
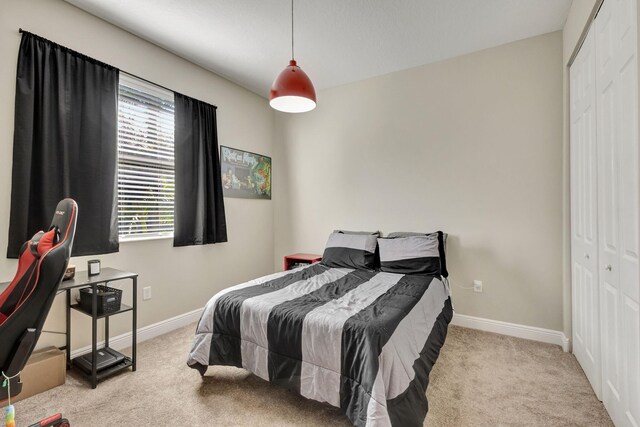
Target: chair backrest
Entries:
(25, 303)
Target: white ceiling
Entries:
(337, 41)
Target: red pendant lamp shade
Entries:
(292, 91)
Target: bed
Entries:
(362, 340)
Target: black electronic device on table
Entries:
(93, 267)
(105, 358)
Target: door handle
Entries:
(608, 267)
(586, 256)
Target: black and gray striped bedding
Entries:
(364, 341)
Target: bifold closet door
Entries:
(618, 208)
(584, 213)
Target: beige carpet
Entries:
(480, 379)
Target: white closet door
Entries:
(629, 207)
(608, 208)
(618, 193)
(584, 232)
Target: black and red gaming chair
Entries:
(24, 305)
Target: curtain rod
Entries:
(20, 30)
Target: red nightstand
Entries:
(290, 260)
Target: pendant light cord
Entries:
(292, 56)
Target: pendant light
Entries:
(292, 91)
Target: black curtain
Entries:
(65, 145)
(199, 206)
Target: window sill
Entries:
(145, 238)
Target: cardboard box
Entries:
(44, 370)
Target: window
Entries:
(145, 160)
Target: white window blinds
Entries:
(145, 159)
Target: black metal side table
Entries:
(81, 280)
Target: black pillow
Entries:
(410, 255)
(351, 251)
(442, 246)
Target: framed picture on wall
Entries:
(245, 175)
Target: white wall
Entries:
(182, 279)
(576, 21)
(471, 145)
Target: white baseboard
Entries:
(512, 329)
(147, 332)
(566, 343)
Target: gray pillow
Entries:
(412, 233)
(372, 233)
(351, 251)
(442, 246)
(417, 254)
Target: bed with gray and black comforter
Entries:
(364, 341)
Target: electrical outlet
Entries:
(146, 293)
(477, 286)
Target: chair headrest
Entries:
(64, 222)
(64, 212)
(64, 216)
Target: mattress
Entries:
(364, 341)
